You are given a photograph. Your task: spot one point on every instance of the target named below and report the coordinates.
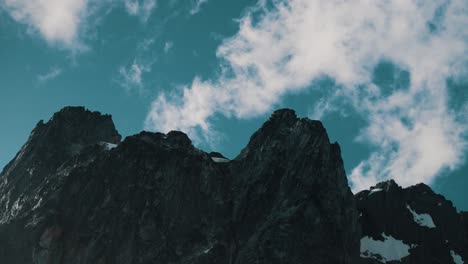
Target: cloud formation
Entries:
(141, 8)
(168, 46)
(53, 73)
(56, 20)
(65, 22)
(197, 6)
(132, 76)
(284, 48)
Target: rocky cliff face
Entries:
(31, 183)
(410, 225)
(76, 194)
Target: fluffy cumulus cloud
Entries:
(56, 20)
(65, 22)
(141, 8)
(284, 48)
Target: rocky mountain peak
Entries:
(416, 224)
(171, 140)
(65, 135)
(387, 186)
(179, 138)
(285, 130)
(283, 115)
(73, 137)
(79, 125)
(155, 198)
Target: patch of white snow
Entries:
(219, 160)
(375, 190)
(39, 202)
(108, 146)
(422, 219)
(208, 249)
(390, 249)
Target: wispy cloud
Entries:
(197, 6)
(53, 73)
(131, 77)
(145, 44)
(141, 8)
(414, 130)
(168, 46)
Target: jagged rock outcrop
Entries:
(414, 225)
(30, 184)
(292, 202)
(75, 194)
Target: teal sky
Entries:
(389, 86)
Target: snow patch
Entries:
(422, 219)
(108, 146)
(457, 259)
(390, 249)
(39, 202)
(16, 207)
(219, 160)
(375, 190)
(208, 249)
(30, 171)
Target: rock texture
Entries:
(424, 221)
(31, 183)
(75, 194)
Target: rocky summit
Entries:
(410, 225)
(76, 194)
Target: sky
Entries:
(389, 79)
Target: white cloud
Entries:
(141, 8)
(132, 76)
(415, 132)
(53, 73)
(168, 46)
(197, 6)
(145, 44)
(56, 20)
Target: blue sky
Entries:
(387, 79)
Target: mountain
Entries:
(32, 183)
(414, 225)
(76, 194)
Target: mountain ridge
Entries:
(284, 199)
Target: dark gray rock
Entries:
(292, 202)
(465, 222)
(31, 183)
(74, 194)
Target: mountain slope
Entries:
(416, 224)
(75, 194)
(30, 184)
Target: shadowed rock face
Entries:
(75, 194)
(420, 218)
(31, 183)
